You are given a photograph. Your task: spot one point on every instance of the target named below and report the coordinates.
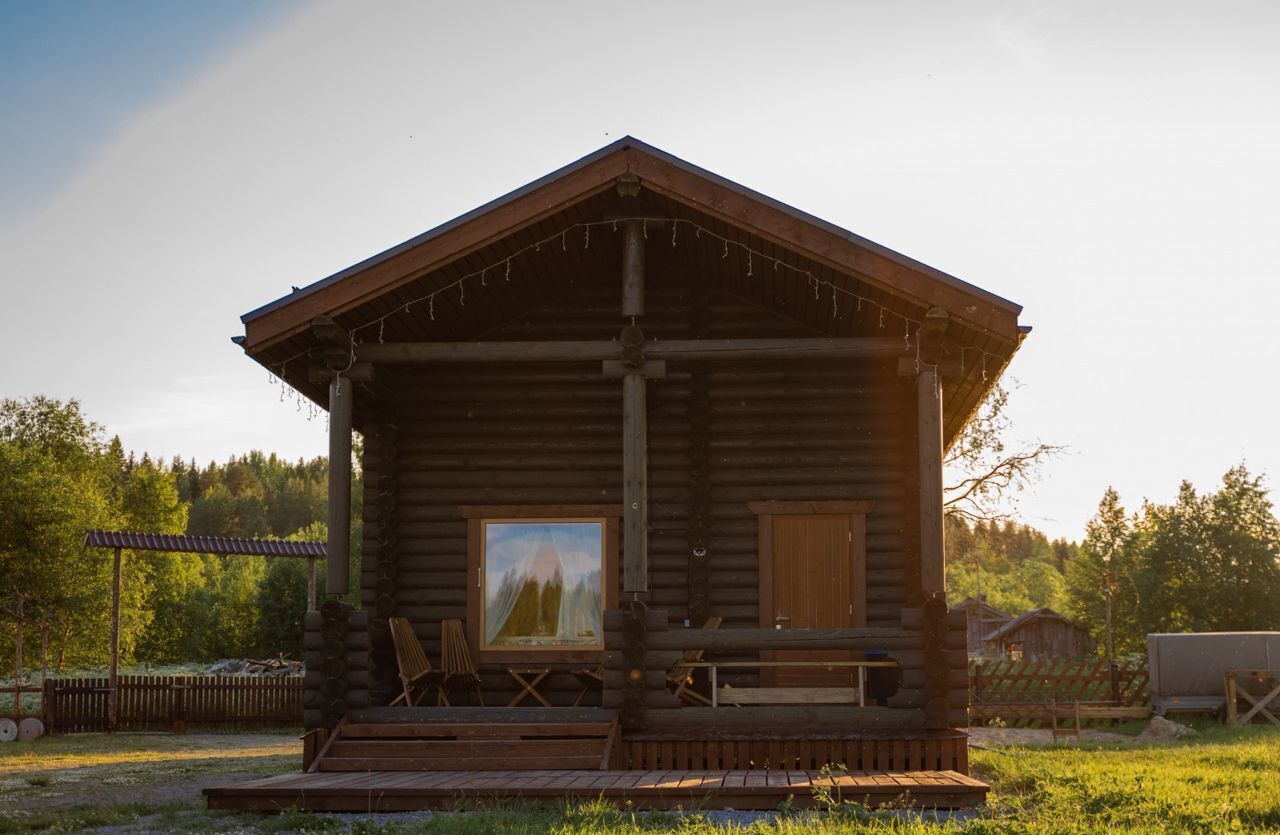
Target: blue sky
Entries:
(165, 167)
(76, 71)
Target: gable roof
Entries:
(584, 192)
(664, 174)
(986, 609)
(1026, 618)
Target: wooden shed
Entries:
(1039, 633)
(981, 619)
(625, 401)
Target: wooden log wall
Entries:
(380, 575)
(336, 650)
(721, 434)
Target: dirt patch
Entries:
(144, 769)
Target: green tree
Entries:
(282, 598)
(1107, 559)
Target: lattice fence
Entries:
(1020, 692)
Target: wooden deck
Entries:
(400, 791)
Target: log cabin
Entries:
(623, 402)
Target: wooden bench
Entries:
(738, 696)
(1081, 713)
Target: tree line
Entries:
(1204, 563)
(60, 477)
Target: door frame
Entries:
(856, 511)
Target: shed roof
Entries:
(986, 608)
(512, 227)
(225, 545)
(1026, 618)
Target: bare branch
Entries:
(987, 478)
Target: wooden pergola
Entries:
(224, 546)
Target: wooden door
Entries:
(812, 575)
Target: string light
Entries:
(778, 264)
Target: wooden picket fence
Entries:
(173, 703)
(1020, 693)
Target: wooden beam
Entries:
(311, 584)
(652, 369)
(338, 552)
(327, 330)
(635, 485)
(929, 443)
(360, 372)
(632, 270)
(670, 349)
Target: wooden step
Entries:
(466, 748)
(473, 730)
(488, 763)
(470, 739)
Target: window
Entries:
(540, 579)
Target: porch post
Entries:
(337, 562)
(113, 694)
(635, 425)
(635, 485)
(929, 433)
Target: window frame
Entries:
(478, 516)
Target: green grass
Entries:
(1221, 781)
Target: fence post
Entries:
(46, 705)
(1115, 683)
(179, 705)
(1231, 696)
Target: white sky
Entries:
(1114, 167)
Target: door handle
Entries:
(778, 620)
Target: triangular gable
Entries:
(663, 174)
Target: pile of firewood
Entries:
(280, 666)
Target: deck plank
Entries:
(754, 789)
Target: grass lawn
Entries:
(1221, 781)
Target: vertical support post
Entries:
(311, 584)
(929, 426)
(113, 696)
(1231, 685)
(338, 561)
(44, 663)
(17, 660)
(632, 269)
(635, 484)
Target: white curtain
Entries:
(499, 603)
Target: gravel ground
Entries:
(1038, 736)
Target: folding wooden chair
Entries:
(680, 676)
(455, 660)
(417, 676)
(590, 680)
